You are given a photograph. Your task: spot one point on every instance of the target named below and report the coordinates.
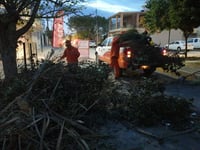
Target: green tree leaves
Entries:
(168, 14)
(157, 17)
(172, 14)
(86, 26)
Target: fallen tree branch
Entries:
(5, 124)
(8, 106)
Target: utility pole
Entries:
(97, 29)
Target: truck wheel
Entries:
(148, 72)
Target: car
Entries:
(92, 44)
(179, 46)
(128, 58)
(194, 41)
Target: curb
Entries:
(190, 75)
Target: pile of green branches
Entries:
(45, 109)
(149, 53)
(56, 108)
(147, 105)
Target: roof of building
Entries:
(127, 13)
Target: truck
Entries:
(139, 54)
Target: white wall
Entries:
(162, 37)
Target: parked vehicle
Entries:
(195, 42)
(92, 44)
(179, 46)
(129, 58)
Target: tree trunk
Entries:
(186, 35)
(8, 43)
(169, 37)
(9, 63)
(186, 47)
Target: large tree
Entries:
(156, 19)
(25, 11)
(87, 26)
(184, 15)
(157, 16)
(176, 14)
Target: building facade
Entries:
(124, 21)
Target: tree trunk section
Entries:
(9, 64)
(8, 43)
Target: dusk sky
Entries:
(109, 7)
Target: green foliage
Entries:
(183, 16)
(173, 63)
(177, 14)
(157, 16)
(147, 105)
(155, 110)
(149, 54)
(58, 98)
(77, 89)
(51, 7)
(182, 12)
(86, 26)
(10, 90)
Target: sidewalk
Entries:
(191, 71)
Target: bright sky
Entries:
(114, 6)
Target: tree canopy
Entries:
(168, 14)
(86, 26)
(25, 12)
(184, 14)
(157, 16)
(172, 14)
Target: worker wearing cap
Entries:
(71, 54)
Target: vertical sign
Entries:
(58, 30)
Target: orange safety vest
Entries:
(115, 47)
(114, 56)
(71, 54)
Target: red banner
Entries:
(58, 30)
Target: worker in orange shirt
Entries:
(115, 55)
(72, 54)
